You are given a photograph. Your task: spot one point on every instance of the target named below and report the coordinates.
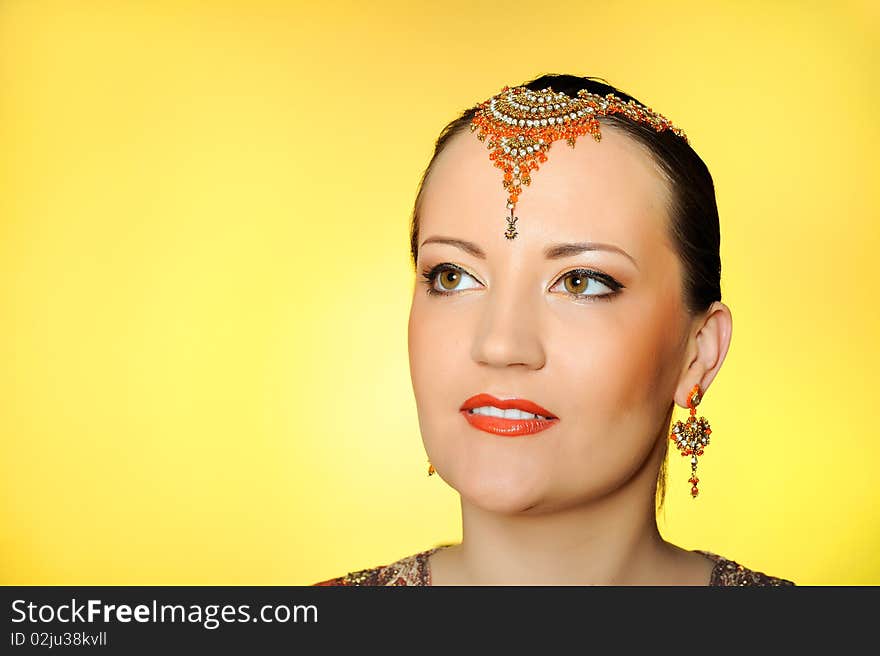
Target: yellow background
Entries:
(205, 276)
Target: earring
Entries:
(431, 470)
(692, 436)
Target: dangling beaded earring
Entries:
(431, 470)
(692, 436)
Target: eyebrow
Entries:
(551, 252)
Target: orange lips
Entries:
(502, 426)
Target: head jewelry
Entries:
(521, 124)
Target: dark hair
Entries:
(693, 227)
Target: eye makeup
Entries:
(430, 274)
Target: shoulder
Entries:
(728, 572)
(411, 570)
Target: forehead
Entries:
(609, 190)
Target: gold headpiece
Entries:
(521, 124)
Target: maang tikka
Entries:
(692, 436)
(520, 125)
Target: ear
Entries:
(705, 352)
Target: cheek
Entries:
(614, 375)
(603, 360)
(417, 342)
(436, 355)
(438, 358)
(618, 357)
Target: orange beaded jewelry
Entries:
(521, 124)
(692, 436)
(431, 470)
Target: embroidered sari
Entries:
(415, 570)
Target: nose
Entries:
(509, 331)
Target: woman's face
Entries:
(512, 324)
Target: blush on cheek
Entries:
(649, 357)
(438, 388)
(645, 385)
(617, 391)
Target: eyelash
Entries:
(430, 275)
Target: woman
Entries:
(551, 335)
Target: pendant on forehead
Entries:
(519, 125)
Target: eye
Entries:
(445, 279)
(448, 277)
(579, 281)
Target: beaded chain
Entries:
(520, 125)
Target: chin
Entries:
(506, 494)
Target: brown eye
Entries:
(576, 283)
(583, 284)
(449, 278)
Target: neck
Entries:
(613, 540)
